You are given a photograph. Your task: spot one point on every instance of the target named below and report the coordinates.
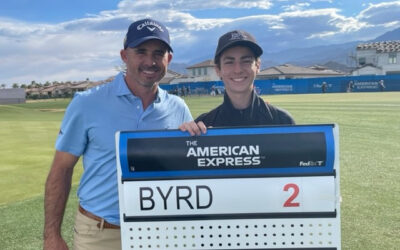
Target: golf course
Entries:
(369, 144)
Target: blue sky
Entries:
(60, 40)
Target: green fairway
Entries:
(369, 128)
(28, 132)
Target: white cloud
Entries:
(316, 1)
(15, 28)
(184, 5)
(381, 13)
(47, 53)
(295, 7)
(89, 47)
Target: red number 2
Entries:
(289, 202)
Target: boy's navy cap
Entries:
(144, 30)
(234, 38)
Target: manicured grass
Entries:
(28, 132)
(369, 125)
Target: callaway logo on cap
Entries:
(150, 25)
(144, 30)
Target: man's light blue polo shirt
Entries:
(89, 127)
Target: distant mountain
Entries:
(339, 53)
(335, 56)
(388, 36)
(178, 67)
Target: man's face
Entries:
(238, 69)
(147, 63)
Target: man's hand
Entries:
(54, 242)
(193, 128)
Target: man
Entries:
(381, 85)
(324, 86)
(133, 101)
(237, 61)
(350, 86)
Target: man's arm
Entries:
(57, 189)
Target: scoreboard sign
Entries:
(233, 188)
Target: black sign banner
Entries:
(227, 152)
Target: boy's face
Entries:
(238, 69)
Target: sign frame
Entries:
(304, 229)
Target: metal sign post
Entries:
(233, 188)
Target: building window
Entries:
(392, 57)
(194, 72)
(361, 61)
(205, 71)
(199, 71)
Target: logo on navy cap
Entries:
(150, 25)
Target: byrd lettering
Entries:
(176, 197)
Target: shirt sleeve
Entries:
(72, 137)
(187, 116)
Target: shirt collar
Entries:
(228, 103)
(251, 115)
(122, 88)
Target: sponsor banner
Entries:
(359, 85)
(282, 88)
(291, 150)
(229, 196)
